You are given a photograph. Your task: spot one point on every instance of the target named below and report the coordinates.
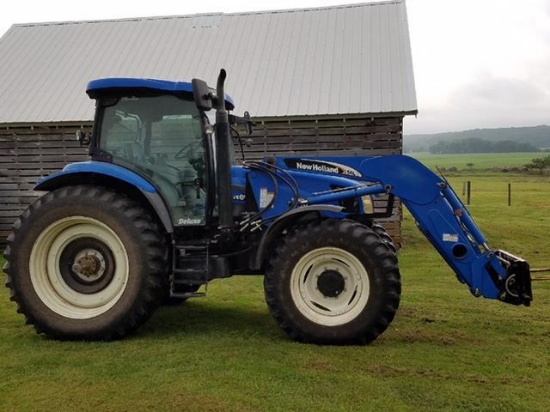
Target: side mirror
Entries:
(82, 137)
(202, 94)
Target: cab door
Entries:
(162, 139)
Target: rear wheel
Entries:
(84, 262)
(333, 282)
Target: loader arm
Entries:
(439, 213)
(447, 224)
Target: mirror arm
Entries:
(245, 120)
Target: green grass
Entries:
(445, 351)
(481, 161)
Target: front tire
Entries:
(85, 262)
(333, 282)
(384, 235)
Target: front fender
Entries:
(110, 175)
(285, 220)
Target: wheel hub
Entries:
(331, 283)
(89, 265)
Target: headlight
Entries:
(368, 205)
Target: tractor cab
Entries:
(155, 129)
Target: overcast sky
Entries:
(478, 63)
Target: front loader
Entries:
(162, 209)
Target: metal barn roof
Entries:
(336, 60)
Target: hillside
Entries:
(538, 136)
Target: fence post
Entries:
(509, 194)
(468, 192)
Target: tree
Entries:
(539, 163)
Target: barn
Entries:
(334, 80)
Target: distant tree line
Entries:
(477, 145)
(538, 136)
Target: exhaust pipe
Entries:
(223, 158)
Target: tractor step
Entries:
(186, 288)
(190, 274)
(193, 266)
(190, 282)
(187, 295)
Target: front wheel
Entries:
(333, 282)
(85, 262)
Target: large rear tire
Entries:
(333, 282)
(87, 263)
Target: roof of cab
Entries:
(96, 87)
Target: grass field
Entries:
(445, 351)
(479, 162)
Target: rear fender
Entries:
(113, 176)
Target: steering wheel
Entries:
(187, 150)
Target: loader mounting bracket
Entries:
(516, 287)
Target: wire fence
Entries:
(467, 192)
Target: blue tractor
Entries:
(161, 209)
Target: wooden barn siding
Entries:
(340, 137)
(27, 153)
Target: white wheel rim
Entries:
(315, 305)
(46, 277)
